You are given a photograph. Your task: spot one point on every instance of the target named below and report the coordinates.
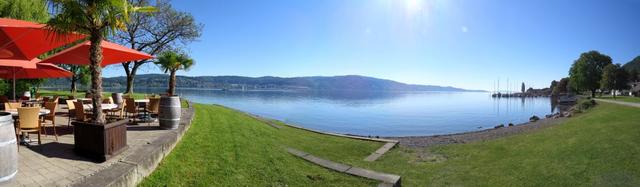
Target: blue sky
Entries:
(468, 44)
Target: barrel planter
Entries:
(8, 149)
(100, 142)
(170, 111)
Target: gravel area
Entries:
(488, 134)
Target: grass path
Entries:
(622, 98)
(226, 148)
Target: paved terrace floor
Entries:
(55, 164)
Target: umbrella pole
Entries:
(14, 84)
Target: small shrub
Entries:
(586, 104)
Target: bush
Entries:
(586, 104)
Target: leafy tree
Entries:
(552, 87)
(586, 71)
(614, 77)
(156, 34)
(561, 87)
(96, 18)
(171, 62)
(81, 75)
(30, 10)
(608, 80)
(634, 75)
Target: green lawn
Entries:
(622, 98)
(227, 148)
(224, 147)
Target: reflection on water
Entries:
(377, 113)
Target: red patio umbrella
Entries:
(111, 54)
(41, 70)
(23, 69)
(23, 40)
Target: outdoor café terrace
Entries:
(53, 161)
(62, 140)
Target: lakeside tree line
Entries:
(593, 72)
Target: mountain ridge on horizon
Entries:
(339, 82)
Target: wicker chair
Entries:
(51, 106)
(12, 105)
(29, 121)
(154, 106)
(81, 115)
(131, 107)
(72, 110)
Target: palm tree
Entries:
(171, 62)
(97, 19)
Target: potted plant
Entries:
(96, 138)
(170, 107)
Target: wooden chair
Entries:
(72, 110)
(29, 121)
(51, 106)
(56, 99)
(12, 105)
(131, 107)
(81, 115)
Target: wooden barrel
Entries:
(8, 149)
(170, 111)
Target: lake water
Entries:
(377, 113)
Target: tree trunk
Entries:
(130, 78)
(593, 93)
(73, 88)
(172, 83)
(95, 58)
(131, 75)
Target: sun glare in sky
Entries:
(413, 6)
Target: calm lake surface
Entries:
(377, 113)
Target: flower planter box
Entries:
(100, 142)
